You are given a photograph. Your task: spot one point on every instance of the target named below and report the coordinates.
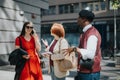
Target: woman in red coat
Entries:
(30, 43)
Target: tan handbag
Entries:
(69, 62)
(57, 56)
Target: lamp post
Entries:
(115, 46)
(115, 5)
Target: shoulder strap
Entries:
(59, 45)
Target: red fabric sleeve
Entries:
(17, 42)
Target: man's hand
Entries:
(68, 51)
(71, 49)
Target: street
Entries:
(9, 75)
(109, 72)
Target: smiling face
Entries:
(29, 28)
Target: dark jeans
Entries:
(53, 75)
(89, 76)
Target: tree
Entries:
(115, 4)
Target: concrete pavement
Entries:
(109, 72)
(9, 75)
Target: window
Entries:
(91, 6)
(44, 12)
(84, 5)
(76, 8)
(66, 8)
(71, 27)
(63, 9)
(45, 29)
(50, 11)
(103, 6)
(96, 7)
(69, 8)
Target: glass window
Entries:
(44, 12)
(71, 8)
(61, 9)
(103, 6)
(76, 7)
(66, 8)
(91, 7)
(45, 28)
(96, 7)
(71, 27)
(52, 10)
(84, 5)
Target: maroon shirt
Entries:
(51, 50)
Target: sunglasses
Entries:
(29, 27)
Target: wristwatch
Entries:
(75, 49)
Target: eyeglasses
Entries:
(29, 27)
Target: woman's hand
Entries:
(26, 56)
(45, 42)
(68, 50)
(35, 34)
(46, 55)
(37, 42)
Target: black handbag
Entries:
(88, 63)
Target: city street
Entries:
(109, 72)
(9, 75)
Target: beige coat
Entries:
(63, 45)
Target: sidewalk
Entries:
(9, 75)
(109, 72)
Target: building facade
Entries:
(66, 12)
(13, 13)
